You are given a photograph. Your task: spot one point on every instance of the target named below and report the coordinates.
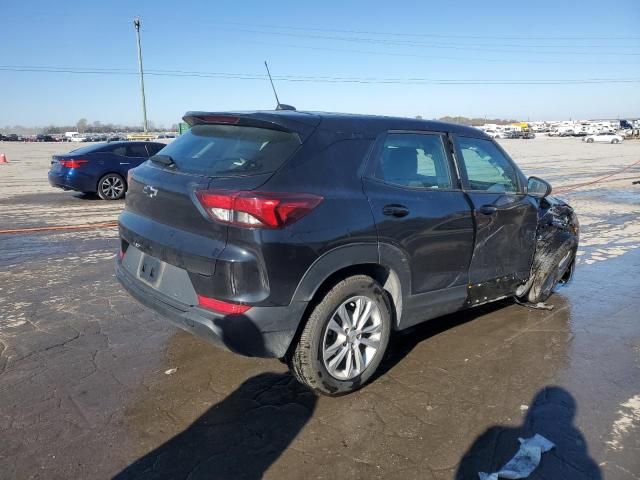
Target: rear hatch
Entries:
(220, 152)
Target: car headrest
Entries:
(400, 162)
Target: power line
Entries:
(316, 78)
(444, 57)
(436, 35)
(521, 49)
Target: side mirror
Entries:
(537, 187)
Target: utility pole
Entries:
(136, 23)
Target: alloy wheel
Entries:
(112, 187)
(352, 338)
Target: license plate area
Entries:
(150, 269)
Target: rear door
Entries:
(136, 154)
(419, 208)
(505, 216)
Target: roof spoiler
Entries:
(303, 125)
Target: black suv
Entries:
(311, 237)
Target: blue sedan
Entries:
(101, 168)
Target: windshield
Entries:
(231, 150)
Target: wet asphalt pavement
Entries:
(93, 385)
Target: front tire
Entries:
(589, 140)
(111, 187)
(345, 337)
(550, 269)
(615, 140)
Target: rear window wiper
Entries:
(165, 160)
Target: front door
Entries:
(505, 216)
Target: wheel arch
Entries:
(384, 263)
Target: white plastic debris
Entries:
(525, 460)
(170, 371)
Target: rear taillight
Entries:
(257, 209)
(219, 306)
(74, 163)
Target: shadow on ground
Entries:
(239, 438)
(551, 415)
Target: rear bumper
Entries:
(72, 181)
(259, 332)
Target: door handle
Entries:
(395, 210)
(488, 209)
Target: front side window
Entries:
(414, 160)
(486, 167)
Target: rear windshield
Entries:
(231, 150)
(87, 149)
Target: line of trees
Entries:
(83, 126)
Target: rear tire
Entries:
(111, 187)
(589, 140)
(345, 337)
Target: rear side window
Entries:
(414, 160)
(486, 167)
(231, 150)
(120, 150)
(154, 148)
(136, 150)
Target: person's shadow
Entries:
(241, 436)
(551, 415)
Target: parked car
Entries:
(100, 168)
(511, 134)
(604, 137)
(494, 133)
(45, 138)
(313, 237)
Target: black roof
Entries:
(354, 122)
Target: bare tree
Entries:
(81, 125)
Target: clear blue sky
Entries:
(461, 40)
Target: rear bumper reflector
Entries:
(219, 306)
